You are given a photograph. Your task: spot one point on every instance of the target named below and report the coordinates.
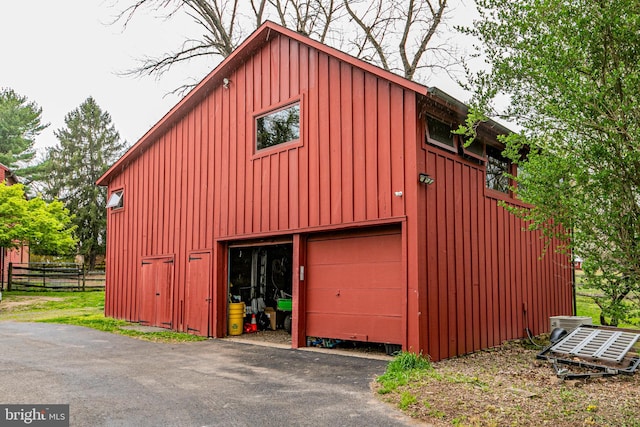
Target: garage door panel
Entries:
(355, 287)
(369, 249)
(354, 301)
(362, 275)
(382, 329)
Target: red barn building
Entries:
(295, 171)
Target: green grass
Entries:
(76, 308)
(586, 306)
(405, 367)
(407, 399)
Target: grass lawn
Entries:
(586, 306)
(75, 308)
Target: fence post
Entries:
(9, 279)
(84, 275)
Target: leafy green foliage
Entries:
(88, 145)
(46, 227)
(20, 123)
(570, 72)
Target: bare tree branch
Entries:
(419, 21)
(376, 31)
(411, 25)
(258, 10)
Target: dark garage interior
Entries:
(260, 277)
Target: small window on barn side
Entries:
(439, 133)
(278, 127)
(497, 170)
(116, 200)
(475, 150)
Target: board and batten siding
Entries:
(487, 278)
(201, 180)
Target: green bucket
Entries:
(284, 304)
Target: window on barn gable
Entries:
(497, 169)
(440, 134)
(278, 127)
(116, 200)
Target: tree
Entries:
(411, 24)
(88, 145)
(20, 124)
(45, 227)
(380, 27)
(571, 73)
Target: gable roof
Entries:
(254, 42)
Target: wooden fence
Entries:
(36, 276)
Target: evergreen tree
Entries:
(20, 123)
(88, 145)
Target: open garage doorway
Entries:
(260, 281)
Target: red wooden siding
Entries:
(202, 179)
(486, 280)
(7, 175)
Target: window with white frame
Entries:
(116, 200)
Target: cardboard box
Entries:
(269, 311)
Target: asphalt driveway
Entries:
(113, 380)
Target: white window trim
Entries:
(115, 200)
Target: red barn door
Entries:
(156, 292)
(355, 287)
(198, 293)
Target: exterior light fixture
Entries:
(423, 178)
(225, 83)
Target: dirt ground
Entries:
(507, 386)
(18, 302)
